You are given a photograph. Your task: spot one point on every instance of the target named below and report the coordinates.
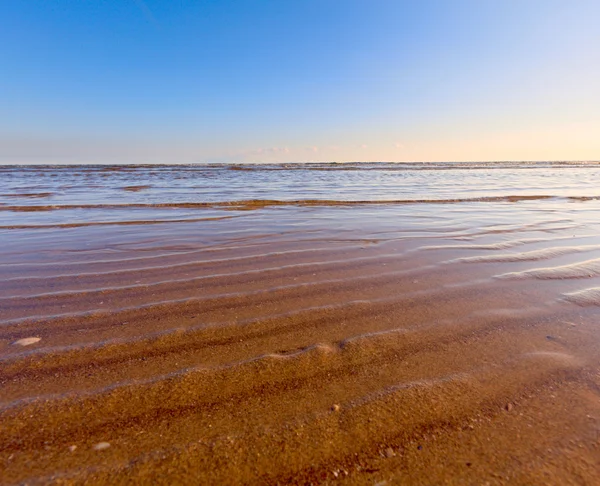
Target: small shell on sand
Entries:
(100, 446)
(27, 341)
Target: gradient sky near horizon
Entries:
(144, 81)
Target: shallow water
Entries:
(43, 187)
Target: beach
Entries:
(309, 324)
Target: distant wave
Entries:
(261, 203)
(136, 188)
(34, 195)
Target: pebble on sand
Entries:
(27, 341)
(389, 452)
(100, 446)
(72, 448)
(335, 408)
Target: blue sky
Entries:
(202, 81)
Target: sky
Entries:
(182, 81)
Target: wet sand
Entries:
(414, 360)
(388, 343)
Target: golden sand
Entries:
(315, 362)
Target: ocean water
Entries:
(73, 186)
(47, 196)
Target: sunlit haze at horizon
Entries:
(154, 81)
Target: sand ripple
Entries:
(585, 297)
(586, 269)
